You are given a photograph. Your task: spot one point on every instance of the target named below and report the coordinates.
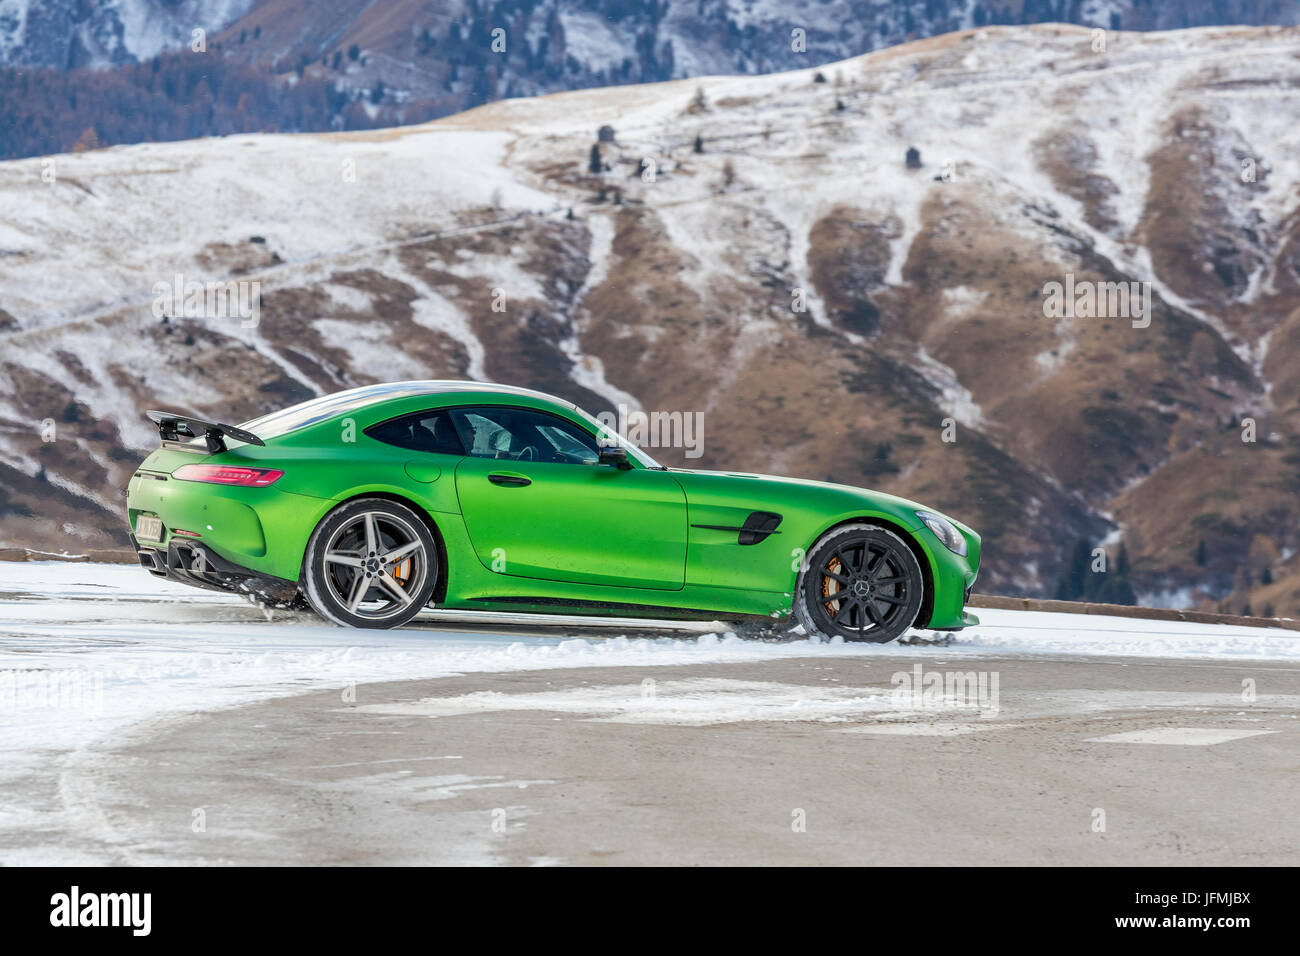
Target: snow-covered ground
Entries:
(87, 651)
(94, 658)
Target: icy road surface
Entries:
(87, 650)
(118, 716)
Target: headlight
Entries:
(945, 531)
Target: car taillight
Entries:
(229, 475)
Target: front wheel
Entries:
(860, 582)
(370, 563)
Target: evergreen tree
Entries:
(1079, 569)
(1116, 590)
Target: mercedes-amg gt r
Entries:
(371, 504)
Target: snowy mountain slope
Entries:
(330, 65)
(924, 286)
(71, 33)
(439, 56)
(598, 35)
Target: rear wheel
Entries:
(371, 563)
(862, 583)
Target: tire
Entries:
(370, 563)
(887, 592)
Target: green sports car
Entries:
(371, 504)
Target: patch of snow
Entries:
(594, 41)
(1178, 599)
(955, 398)
(961, 300)
(435, 311)
(150, 28)
(691, 702)
(347, 297)
(370, 348)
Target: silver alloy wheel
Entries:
(374, 563)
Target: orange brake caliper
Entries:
(834, 565)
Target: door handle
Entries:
(510, 481)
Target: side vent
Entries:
(756, 528)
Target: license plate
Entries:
(148, 527)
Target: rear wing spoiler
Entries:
(175, 427)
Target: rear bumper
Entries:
(262, 531)
(196, 564)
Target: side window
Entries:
(518, 434)
(423, 431)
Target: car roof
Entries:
(383, 391)
(324, 407)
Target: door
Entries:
(536, 504)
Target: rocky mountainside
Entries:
(66, 34)
(847, 270)
(660, 39)
(368, 65)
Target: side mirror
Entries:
(615, 455)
